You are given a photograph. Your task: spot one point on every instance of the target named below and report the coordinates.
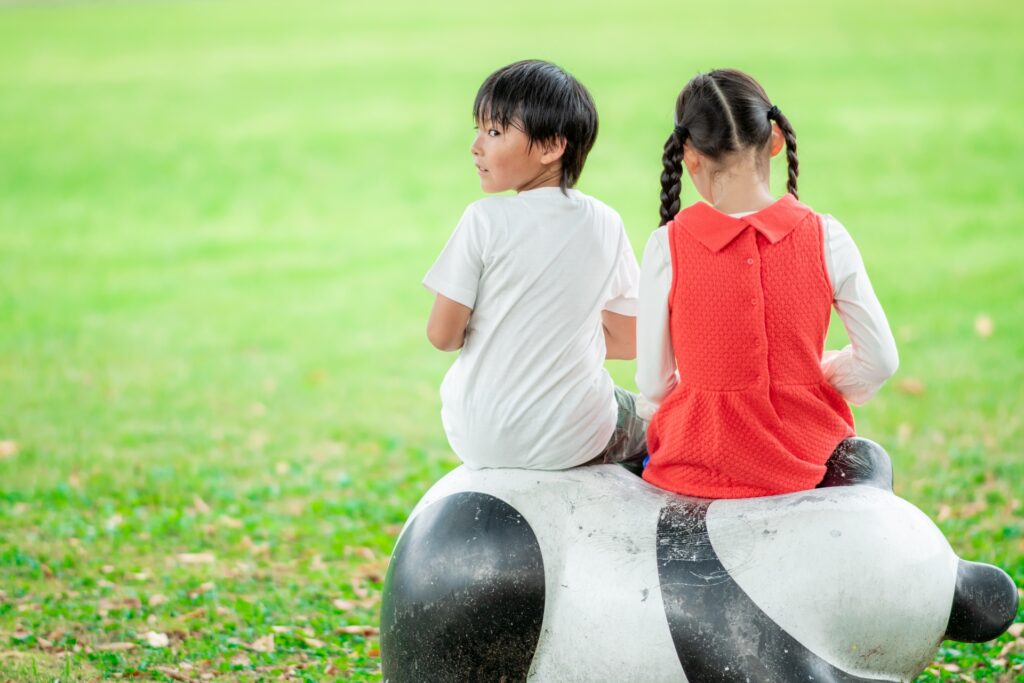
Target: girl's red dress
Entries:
(749, 308)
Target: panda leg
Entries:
(984, 604)
(464, 595)
(720, 634)
(858, 461)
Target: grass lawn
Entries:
(217, 403)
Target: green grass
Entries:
(213, 221)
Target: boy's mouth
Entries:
(480, 169)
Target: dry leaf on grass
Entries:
(156, 639)
(204, 587)
(205, 557)
(903, 433)
(115, 647)
(156, 600)
(910, 386)
(8, 449)
(344, 605)
(107, 605)
(983, 326)
(358, 630)
(314, 643)
(1016, 630)
(199, 505)
(264, 644)
(173, 673)
(230, 522)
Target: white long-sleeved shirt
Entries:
(857, 371)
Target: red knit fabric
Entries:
(748, 310)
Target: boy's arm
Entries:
(619, 335)
(446, 328)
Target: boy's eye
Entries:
(493, 132)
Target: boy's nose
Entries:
(474, 148)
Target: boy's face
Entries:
(505, 160)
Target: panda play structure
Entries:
(592, 574)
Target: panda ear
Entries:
(858, 461)
(984, 603)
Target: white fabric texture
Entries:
(529, 388)
(857, 371)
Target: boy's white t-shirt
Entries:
(529, 388)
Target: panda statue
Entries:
(591, 574)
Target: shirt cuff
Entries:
(622, 306)
(461, 295)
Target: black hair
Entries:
(719, 112)
(547, 104)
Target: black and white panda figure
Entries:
(592, 574)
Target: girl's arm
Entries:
(619, 335)
(862, 367)
(655, 361)
(446, 327)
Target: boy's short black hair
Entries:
(547, 104)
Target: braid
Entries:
(791, 161)
(672, 161)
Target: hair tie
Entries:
(773, 113)
(680, 131)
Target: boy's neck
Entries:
(547, 178)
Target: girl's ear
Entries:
(553, 150)
(778, 141)
(691, 158)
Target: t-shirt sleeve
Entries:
(625, 289)
(655, 358)
(860, 369)
(456, 272)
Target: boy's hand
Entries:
(446, 328)
(619, 336)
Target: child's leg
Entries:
(858, 461)
(628, 444)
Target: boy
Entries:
(537, 289)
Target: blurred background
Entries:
(217, 401)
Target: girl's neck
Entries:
(740, 189)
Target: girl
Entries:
(735, 298)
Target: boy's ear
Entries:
(778, 140)
(553, 150)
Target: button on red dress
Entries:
(749, 308)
